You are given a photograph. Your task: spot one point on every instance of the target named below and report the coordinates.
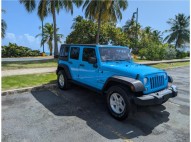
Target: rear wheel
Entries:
(62, 80)
(118, 102)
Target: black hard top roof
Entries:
(92, 45)
(80, 44)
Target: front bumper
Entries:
(157, 97)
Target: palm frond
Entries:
(3, 28)
(29, 4)
(42, 9)
(179, 32)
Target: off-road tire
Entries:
(126, 95)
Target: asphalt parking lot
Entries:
(79, 115)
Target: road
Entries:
(81, 115)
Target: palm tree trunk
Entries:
(50, 46)
(98, 31)
(55, 37)
(51, 49)
(176, 44)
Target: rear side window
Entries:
(74, 53)
(88, 52)
(64, 52)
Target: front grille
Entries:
(156, 81)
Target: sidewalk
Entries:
(53, 69)
(27, 71)
(26, 59)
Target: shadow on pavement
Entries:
(91, 107)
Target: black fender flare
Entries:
(66, 69)
(170, 79)
(135, 85)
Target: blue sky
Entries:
(23, 27)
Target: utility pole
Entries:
(42, 36)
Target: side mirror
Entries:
(92, 60)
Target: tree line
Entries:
(95, 10)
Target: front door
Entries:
(88, 73)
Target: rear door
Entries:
(74, 60)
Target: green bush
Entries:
(153, 52)
(160, 52)
(188, 54)
(13, 50)
(170, 53)
(181, 55)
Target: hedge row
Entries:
(13, 50)
(161, 52)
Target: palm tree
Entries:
(48, 36)
(3, 26)
(46, 7)
(146, 33)
(128, 25)
(179, 31)
(104, 10)
(130, 28)
(148, 30)
(157, 36)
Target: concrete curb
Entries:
(29, 89)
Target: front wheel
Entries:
(118, 102)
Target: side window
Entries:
(74, 53)
(61, 51)
(64, 52)
(88, 52)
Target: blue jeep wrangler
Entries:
(110, 71)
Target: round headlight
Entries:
(145, 80)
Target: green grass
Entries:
(29, 64)
(22, 81)
(171, 65)
(140, 60)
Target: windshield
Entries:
(114, 54)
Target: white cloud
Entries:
(24, 40)
(20, 37)
(11, 37)
(31, 39)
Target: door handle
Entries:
(69, 62)
(82, 65)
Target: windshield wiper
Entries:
(108, 60)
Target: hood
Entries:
(129, 69)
